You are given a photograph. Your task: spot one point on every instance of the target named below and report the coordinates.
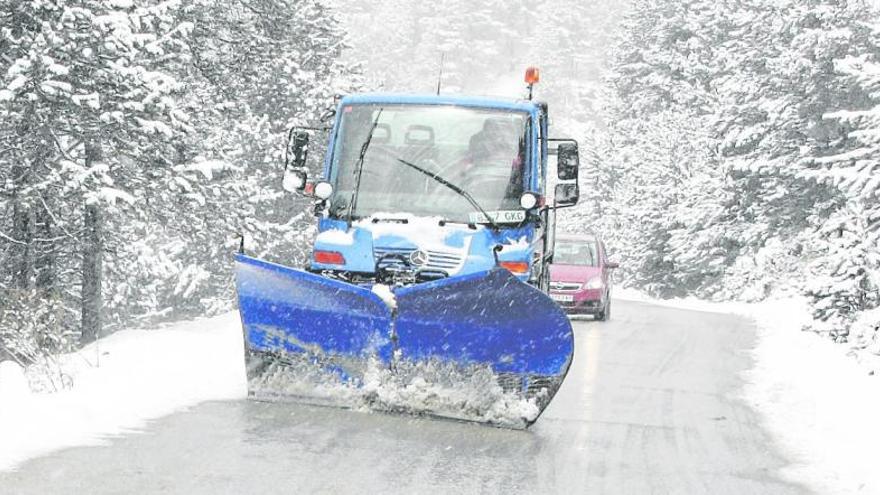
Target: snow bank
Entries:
(688, 303)
(13, 382)
(864, 336)
(819, 403)
(120, 383)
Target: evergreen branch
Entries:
(12, 240)
(54, 218)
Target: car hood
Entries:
(573, 273)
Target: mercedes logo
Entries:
(418, 257)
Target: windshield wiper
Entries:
(360, 169)
(461, 192)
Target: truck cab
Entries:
(417, 188)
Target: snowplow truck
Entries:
(426, 291)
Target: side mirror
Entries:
(297, 148)
(295, 172)
(294, 179)
(612, 264)
(567, 195)
(568, 161)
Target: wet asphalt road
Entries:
(650, 406)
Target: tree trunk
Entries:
(92, 257)
(45, 263)
(22, 228)
(44, 247)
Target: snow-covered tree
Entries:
(753, 83)
(137, 138)
(848, 274)
(667, 212)
(87, 85)
(257, 69)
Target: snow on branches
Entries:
(135, 136)
(778, 126)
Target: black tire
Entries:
(605, 314)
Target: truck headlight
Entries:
(528, 200)
(594, 283)
(323, 190)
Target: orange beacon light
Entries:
(533, 76)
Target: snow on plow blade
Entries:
(482, 347)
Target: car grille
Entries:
(565, 286)
(437, 260)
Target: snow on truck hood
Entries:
(423, 233)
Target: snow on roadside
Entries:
(140, 375)
(822, 404)
(688, 303)
(817, 401)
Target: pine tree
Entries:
(256, 70)
(757, 79)
(136, 139)
(83, 77)
(669, 220)
(848, 274)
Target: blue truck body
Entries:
(360, 254)
(483, 309)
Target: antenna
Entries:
(440, 75)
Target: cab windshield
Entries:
(483, 152)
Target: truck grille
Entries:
(437, 260)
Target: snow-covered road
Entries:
(650, 406)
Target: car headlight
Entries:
(594, 283)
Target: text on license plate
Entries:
(511, 216)
(562, 297)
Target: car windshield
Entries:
(576, 253)
(481, 151)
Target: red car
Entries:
(580, 276)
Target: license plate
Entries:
(511, 216)
(562, 297)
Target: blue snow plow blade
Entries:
(485, 317)
(482, 347)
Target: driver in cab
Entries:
(496, 153)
